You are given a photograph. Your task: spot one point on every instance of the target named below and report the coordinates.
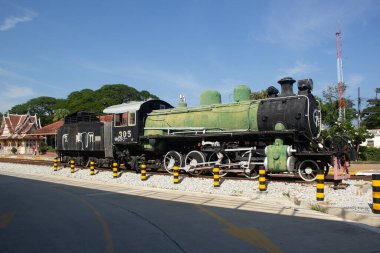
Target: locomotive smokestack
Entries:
(286, 86)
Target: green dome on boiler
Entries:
(242, 93)
(210, 97)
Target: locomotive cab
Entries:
(129, 119)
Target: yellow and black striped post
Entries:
(176, 174)
(320, 186)
(376, 193)
(216, 172)
(72, 166)
(115, 165)
(92, 168)
(143, 172)
(262, 183)
(55, 164)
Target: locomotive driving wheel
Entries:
(308, 170)
(214, 159)
(172, 158)
(193, 159)
(249, 170)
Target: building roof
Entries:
(50, 129)
(14, 126)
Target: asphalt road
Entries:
(42, 217)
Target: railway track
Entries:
(271, 177)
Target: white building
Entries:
(375, 141)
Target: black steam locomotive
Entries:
(279, 133)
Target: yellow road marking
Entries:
(6, 218)
(100, 219)
(249, 235)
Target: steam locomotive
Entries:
(280, 133)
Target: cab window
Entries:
(120, 119)
(132, 119)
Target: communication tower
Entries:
(341, 104)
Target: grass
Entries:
(318, 208)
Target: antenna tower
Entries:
(341, 104)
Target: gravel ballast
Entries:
(356, 197)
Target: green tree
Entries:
(330, 106)
(342, 132)
(50, 109)
(60, 114)
(259, 95)
(371, 114)
(42, 106)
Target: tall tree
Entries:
(60, 114)
(330, 106)
(42, 106)
(371, 114)
(338, 132)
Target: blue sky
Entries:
(172, 47)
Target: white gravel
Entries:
(356, 197)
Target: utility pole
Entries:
(341, 105)
(359, 102)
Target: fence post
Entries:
(92, 168)
(72, 166)
(55, 164)
(216, 172)
(262, 183)
(376, 193)
(114, 169)
(143, 172)
(175, 174)
(320, 186)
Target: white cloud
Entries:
(11, 21)
(355, 80)
(301, 24)
(299, 69)
(13, 91)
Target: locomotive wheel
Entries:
(249, 170)
(308, 170)
(214, 158)
(193, 159)
(172, 158)
(253, 173)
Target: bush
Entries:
(369, 154)
(43, 147)
(14, 150)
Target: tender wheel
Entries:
(213, 159)
(172, 158)
(193, 159)
(308, 170)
